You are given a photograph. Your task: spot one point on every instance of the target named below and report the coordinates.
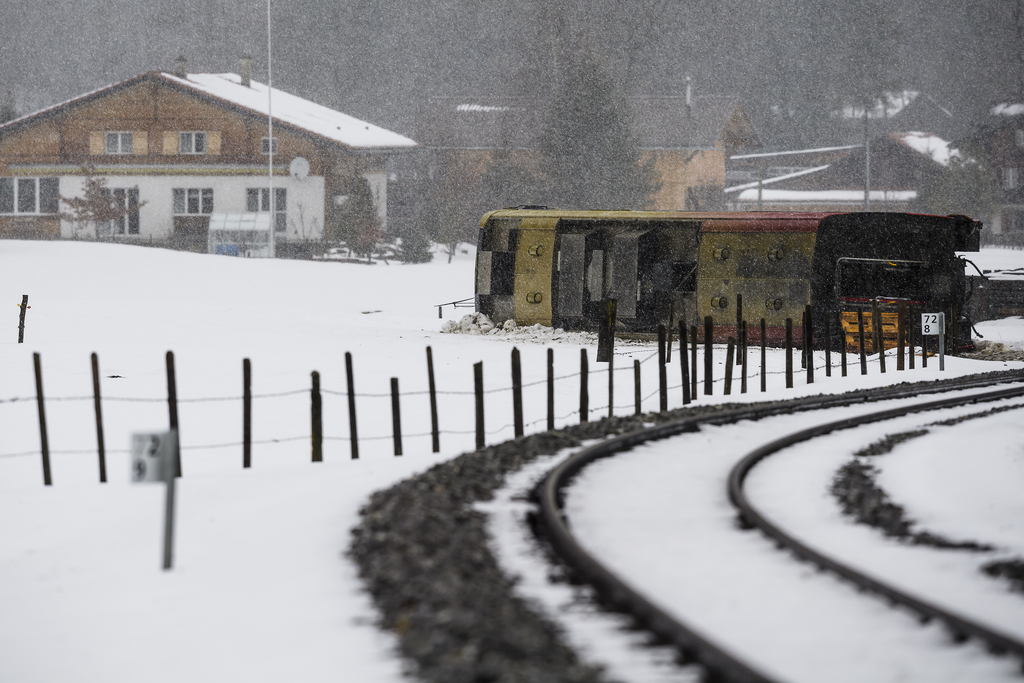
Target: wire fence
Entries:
(686, 353)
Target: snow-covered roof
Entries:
(829, 196)
(293, 110)
(886, 107)
(1007, 109)
(768, 181)
(480, 108)
(927, 144)
(792, 152)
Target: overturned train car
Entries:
(555, 267)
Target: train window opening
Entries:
(503, 272)
(865, 279)
(571, 273)
(674, 276)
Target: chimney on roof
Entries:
(246, 70)
(181, 67)
(689, 98)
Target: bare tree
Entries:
(97, 205)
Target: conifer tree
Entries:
(967, 185)
(591, 157)
(415, 247)
(357, 223)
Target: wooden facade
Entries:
(160, 135)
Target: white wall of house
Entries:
(305, 199)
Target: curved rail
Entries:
(613, 590)
(961, 627)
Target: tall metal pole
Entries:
(867, 160)
(272, 247)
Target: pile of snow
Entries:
(1001, 336)
(479, 323)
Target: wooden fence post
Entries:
(693, 363)
(709, 336)
(435, 433)
(396, 417)
(803, 341)
(44, 440)
(739, 322)
(551, 389)
(100, 446)
(671, 326)
(584, 392)
(743, 350)
(789, 353)
(876, 321)
(636, 386)
(901, 335)
(478, 391)
(911, 331)
(246, 413)
(842, 349)
(684, 362)
(172, 405)
(809, 342)
(517, 394)
(764, 356)
(728, 365)
(863, 351)
(662, 378)
(21, 318)
(924, 351)
(351, 386)
(316, 419)
(828, 344)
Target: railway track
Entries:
(717, 660)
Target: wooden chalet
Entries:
(175, 148)
(1000, 137)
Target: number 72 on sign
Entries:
(933, 323)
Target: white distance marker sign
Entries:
(150, 450)
(933, 323)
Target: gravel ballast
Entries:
(423, 555)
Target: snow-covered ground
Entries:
(260, 588)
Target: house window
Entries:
(1020, 138)
(266, 146)
(29, 195)
(127, 200)
(1009, 178)
(193, 200)
(258, 199)
(119, 143)
(191, 143)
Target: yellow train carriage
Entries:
(554, 267)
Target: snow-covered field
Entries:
(260, 589)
